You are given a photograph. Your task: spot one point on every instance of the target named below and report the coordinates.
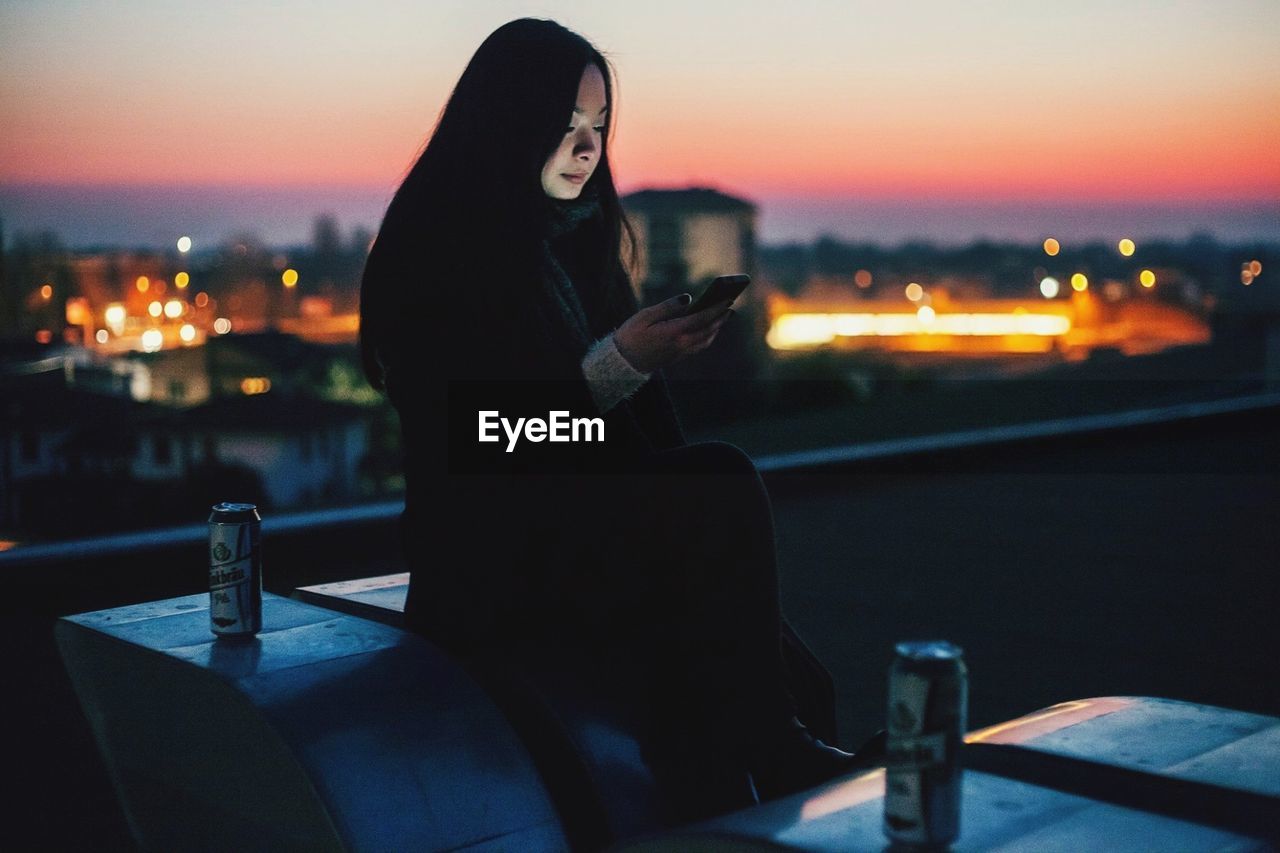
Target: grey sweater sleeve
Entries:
(609, 375)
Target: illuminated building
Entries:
(937, 325)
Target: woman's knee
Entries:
(712, 457)
(714, 479)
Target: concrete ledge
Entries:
(380, 598)
(1111, 773)
(324, 732)
(578, 722)
(903, 448)
(333, 732)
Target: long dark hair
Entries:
(475, 192)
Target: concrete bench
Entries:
(324, 732)
(1161, 769)
(1116, 773)
(524, 754)
(333, 731)
(580, 721)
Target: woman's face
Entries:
(569, 167)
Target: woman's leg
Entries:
(683, 558)
(729, 592)
(716, 558)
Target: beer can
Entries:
(928, 714)
(235, 570)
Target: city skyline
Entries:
(154, 217)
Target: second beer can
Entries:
(928, 711)
(235, 570)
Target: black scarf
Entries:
(562, 217)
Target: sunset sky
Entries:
(1085, 102)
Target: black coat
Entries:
(483, 526)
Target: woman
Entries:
(494, 292)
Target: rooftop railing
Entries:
(289, 526)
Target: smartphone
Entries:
(724, 289)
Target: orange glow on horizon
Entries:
(987, 166)
(979, 156)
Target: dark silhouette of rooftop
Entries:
(270, 411)
(690, 200)
(44, 399)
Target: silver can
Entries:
(928, 715)
(235, 570)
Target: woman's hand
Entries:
(662, 334)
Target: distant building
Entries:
(222, 366)
(286, 362)
(173, 377)
(50, 431)
(687, 237)
(306, 451)
(1246, 320)
(936, 330)
(75, 461)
